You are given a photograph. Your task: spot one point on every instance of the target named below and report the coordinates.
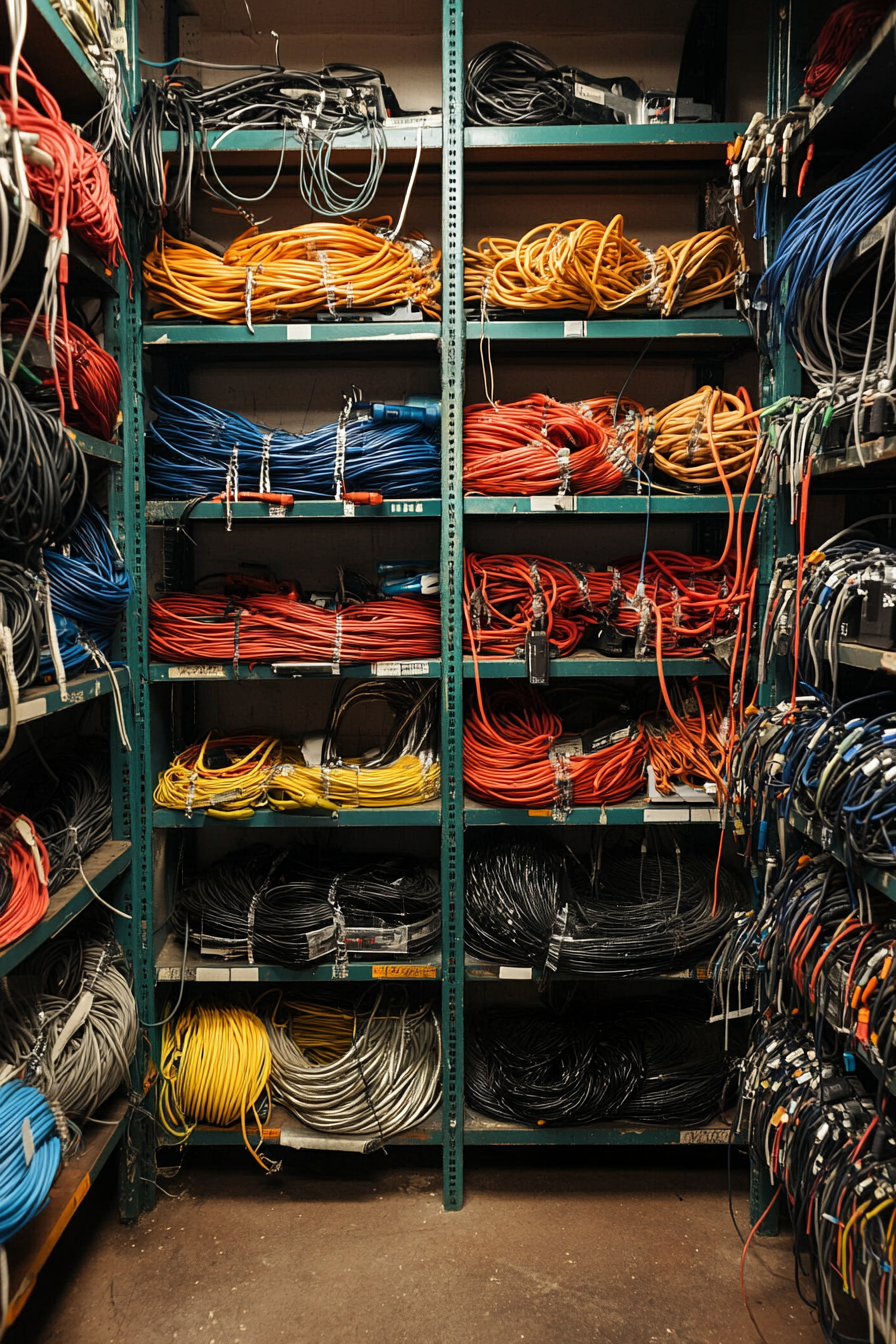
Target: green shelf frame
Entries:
(216, 970)
(694, 136)
(878, 878)
(172, 510)
(398, 137)
(161, 336)
(429, 1132)
(40, 701)
(605, 505)
(181, 672)
(595, 665)
(480, 1130)
(107, 452)
(421, 814)
(721, 328)
(638, 812)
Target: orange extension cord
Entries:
(268, 277)
(585, 265)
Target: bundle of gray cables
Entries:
(386, 1081)
(70, 1021)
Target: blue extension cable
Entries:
(190, 448)
(823, 231)
(89, 588)
(24, 1185)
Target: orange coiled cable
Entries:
(687, 431)
(587, 266)
(269, 277)
(23, 886)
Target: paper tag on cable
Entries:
(27, 1141)
(399, 669)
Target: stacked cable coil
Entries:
(290, 907)
(516, 753)
(540, 446)
(228, 777)
(842, 34)
(533, 903)
(215, 1069)
(90, 588)
(43, 473)
(313, 110)
(24, 869)
(512, 84)
(200, 627)
(655, 1061)
(372, 1065)
(587, 266)
(830, 1152)
(70, 1022)
(30, 1154)
(195, 450)
(83, 375)
(271, 277)
(707, 439)
(366, 1067)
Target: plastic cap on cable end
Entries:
(362, 497)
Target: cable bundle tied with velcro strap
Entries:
(70, 1021)
(282, 906)
(542, 446)
(90, 588)
(362, 1065)
(215, 1069)
(191, 627)
(271, 277)
(190, 446)
(623, 916)
(588, 267)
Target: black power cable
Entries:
(43, 473)
(512, 84)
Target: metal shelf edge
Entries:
(422, 814)
(635, 813)
(38, 702)
(172, 510)
(597, 666)
(552, 506)
(171, 672)
(161, 335)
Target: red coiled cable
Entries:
(541, 446)
(28, 898)
(843, 33)
(197, 627)
(91, 402)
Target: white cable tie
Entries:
(337, 644)
(58, 665)
(250, 926)
(339, 460)
(327, 277)
(264, 478)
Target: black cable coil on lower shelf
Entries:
(651, 1061)
(292, 906)
(532, 902)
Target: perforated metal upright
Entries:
(452, 373)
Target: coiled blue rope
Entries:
(191, 447)
(89, 588)
(24, 1184)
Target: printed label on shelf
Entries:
(244, 973)
(552, 504)
(173, 973)
(411, 123)
(276, 511)
(406, 506)
(271, 1135)
(403, 972)
(574, 329)
(540, 812)
(298, 331)
(718, 1134)
(212, 973)
(197, 672)
(348, 508)
(27, 709)
(667, 814)
(399, 669)
(514, 972)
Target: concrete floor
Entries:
(552, 1247)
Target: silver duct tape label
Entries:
(377, 940)
(552, 503)
(399, 669)
(717, 1134)
(320, 942)
(197, 672)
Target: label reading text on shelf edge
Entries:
(403, 972)
(717, 1134)
(399, 669)
(667, 814)
(514, 972)
(197, 672)
(552, 503)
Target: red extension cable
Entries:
(92, 402)
(843, 33)
(28, 897)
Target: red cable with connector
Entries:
(24, 887)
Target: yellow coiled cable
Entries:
(406, 781)
(192, 784)
(216, 1067)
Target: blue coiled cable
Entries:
(89, 587)
(24, 1185)
(191, 447)
(824, 231)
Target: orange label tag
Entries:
(403, 972)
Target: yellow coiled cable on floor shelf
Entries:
(215, 1069)
(402, 783)
(226, 776)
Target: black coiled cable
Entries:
(43, 473)
(21, 611)
(512, 84)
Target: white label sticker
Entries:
(244, 972)
(574, 329)
(212, 973)
(276, 511)
(27, 1141)
(715, 1135)
(27, 709)
(552, 503)
(197, 672)
(399, 669)
(514, 972)
(298, 331)
(666, 814)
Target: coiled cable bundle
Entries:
(215, 1069)
(842, 33)
(512, 84)
(186, 627)
(587, 266)
(532, 903)
(24, 869)
(28, 1166)
(90, 588)
(293, 906)
(78, 818)
(75, 1034)
(686, 1071)
(533, 1066)
(195, 450)
(707, 436)
(542, 446)
(368, 1066)
(87, 378)
(43, 473)
(21, 630)
(269, 277)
